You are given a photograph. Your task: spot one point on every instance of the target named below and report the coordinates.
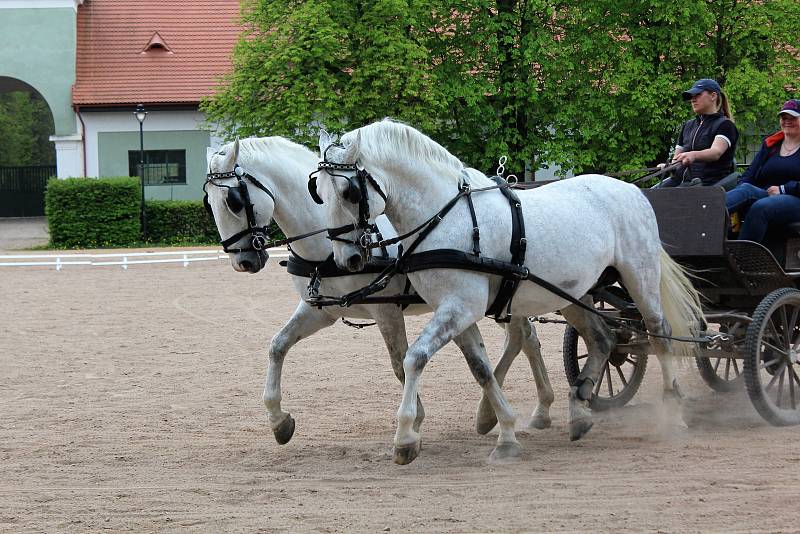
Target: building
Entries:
(94, 61)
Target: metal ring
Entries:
(503, 160)
(512, 179)
(259, 241)
(365, 240)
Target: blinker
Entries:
(312, 189)
(234, 200)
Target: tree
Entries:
(594, 85)
(25, 128)
(489, 56)
(625, 63)
(336, 63)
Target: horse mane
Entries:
(390, 140)
(270, 151)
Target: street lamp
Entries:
(141, 115)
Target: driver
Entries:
(707, 143)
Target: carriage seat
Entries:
(729, 182)
(792, 248)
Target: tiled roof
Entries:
(113, 67)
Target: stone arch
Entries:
(8, 85)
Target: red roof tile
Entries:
(114, 69)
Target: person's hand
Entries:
(773, 190)
(686, 158)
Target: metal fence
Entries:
(22, 190)
(120, 259)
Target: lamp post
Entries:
(141, 115)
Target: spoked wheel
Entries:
(621, 377)
(723, 374)
(771, 368)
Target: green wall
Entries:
(37, 46)
(113, 150)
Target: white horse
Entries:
(575, 229)
(282, 168)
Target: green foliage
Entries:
(625, 63)
(25, 127)
(185, 222)
(179, 222)
(592, 85)
(93, 212)
(336, 63)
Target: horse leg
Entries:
(391, 323)
(544, 391)
(486, 419)
(304, 322)
(471, 344)
(451, 317)
(599, 341)
(520, 333)
(644, 287)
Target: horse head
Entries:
(241, 206)
(352, 198)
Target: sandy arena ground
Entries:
(131, 402)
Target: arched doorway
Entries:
(27, 156)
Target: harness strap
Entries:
(509, 284)
(328, 268)
(476, 233)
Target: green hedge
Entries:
(93, 212)
(104, 212)
(179, 221)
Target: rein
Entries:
(512, 273)
(239, 197)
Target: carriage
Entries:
(751, 302)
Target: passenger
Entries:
(707, 143)
(769, 191)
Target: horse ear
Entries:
(236, 150)
(209, 154)
(325, 140)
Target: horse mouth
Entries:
(250, 262)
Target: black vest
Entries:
(699, 134)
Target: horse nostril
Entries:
(246, 265)
(354, 261)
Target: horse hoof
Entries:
(579, 428)
(284, 431)
(485, 418)
(540, 422)
(406, 454)
(506, 451)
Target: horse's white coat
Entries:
(283, 167)
(575, 229)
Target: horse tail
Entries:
(680, 302)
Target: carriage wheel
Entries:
(771, 368)
(621, 377)
(722, 374)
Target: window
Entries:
(161, 167)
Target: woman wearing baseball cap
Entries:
(769, 191)
(707, 143)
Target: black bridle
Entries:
(238, 198)
(356, 192)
